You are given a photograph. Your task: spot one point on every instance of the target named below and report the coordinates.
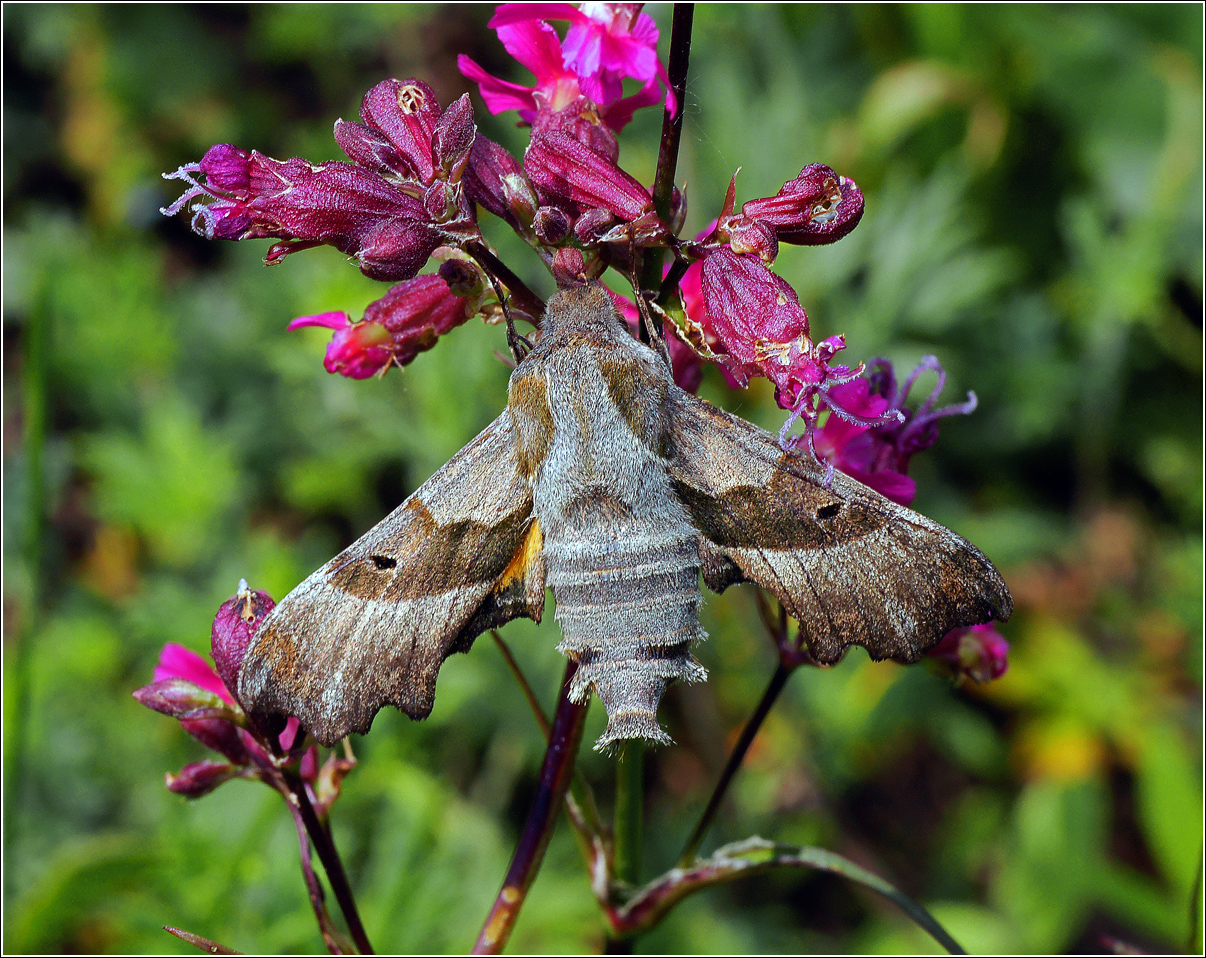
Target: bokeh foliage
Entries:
(1034, 218)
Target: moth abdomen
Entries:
(627, 603)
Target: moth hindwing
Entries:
(618, 488)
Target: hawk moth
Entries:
(605, 481)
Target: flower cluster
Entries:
(187, 688)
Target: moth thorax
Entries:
(627, 603)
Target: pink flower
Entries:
(177, 662)
(978, 652)
(407, 320)
(605, 44)
(357, 350)
(856, 449)
(389, 209)
(870, 433)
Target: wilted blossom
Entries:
(606, 43)
(815, 208)
(389, 209)
(407, 320)
(978, 652)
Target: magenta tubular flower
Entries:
(864, 443)
(407, 320)
(978, 652)
(605, 44)
(187, 688)
(917, 430)
(857, 449)
(357, 350)
(815, 208)
(566, 171)
(389, 209)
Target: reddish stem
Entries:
(564, 739)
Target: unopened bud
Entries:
(234, 625)
(200, 778)
(552, 225)
(569, 266)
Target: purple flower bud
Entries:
(220, 735)
(552, 225)
(495, 180)
(396, 249)
(416, 313)
(464, 278)
(200, 778)
(452, 139)
(180, 698)
(978, 652)
(234, 625)
(591, 225)
(817, 207)
(442, 201)
(406, 112)
(569, 266)
(565, 171)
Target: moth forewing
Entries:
(852, 567)
(375, 623)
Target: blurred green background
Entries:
(1033, 179)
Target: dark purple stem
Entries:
(564, 739)
(327, 854)
(650, 273)
(736, 757)
(327, 927)
(527, 301)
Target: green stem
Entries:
(630, 794)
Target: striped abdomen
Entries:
(627, 596)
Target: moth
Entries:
(606, 482)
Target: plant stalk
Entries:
(564, 739)
(736, 757)
(320, 837)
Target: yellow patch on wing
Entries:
(527, 553)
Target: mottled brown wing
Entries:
(851, 566)
(374, 624)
